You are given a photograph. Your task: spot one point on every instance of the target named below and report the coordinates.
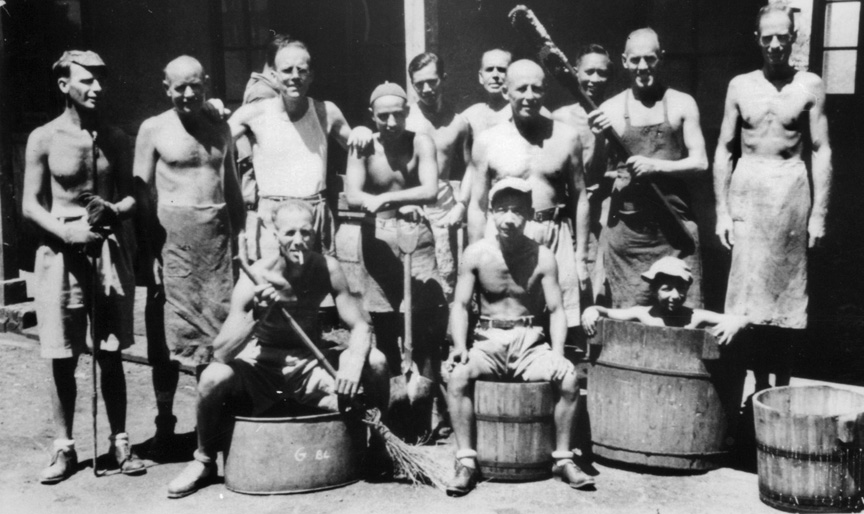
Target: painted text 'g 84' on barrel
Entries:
(294, 454)
(515, 429)
(809, 447)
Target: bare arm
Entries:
(144, 172)
(233, 194)
(239, 121)
(479, 200)
(554, 300)
(595, 312)
(696, 160)
(122, 173)
(723, 166)
(357, 320)
(339, 129)
(462, 295)
(238, 326)
(725, 326)
(579, 195)
(821, 165)
(36, 182)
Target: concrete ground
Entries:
(26, 435)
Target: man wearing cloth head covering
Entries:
(391, 184)
(669, 280)
(77, 190)
(516, 281)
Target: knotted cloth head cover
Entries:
(86, 58)
(387, 89)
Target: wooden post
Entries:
(12, 288)
(421, 33)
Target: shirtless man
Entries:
(660, 127)
(547, 153)
(77, 189)
(259, 364)
(391, 184)
(433, 116)
(495, 108)
(764, 211)
(289, 135)
(190, 206)
(517, 283)
(593, 68)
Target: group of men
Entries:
(537, 186)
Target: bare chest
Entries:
(763, 106)
(179, 149)
(71, 161)
(389, 172)
(516, 157)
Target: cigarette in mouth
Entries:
(300, 257)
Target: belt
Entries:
(313, 199)
(487, 323)
(550, 214)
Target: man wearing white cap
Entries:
(548, 154)
(391, 184)
(669, 280)
(77, 190)
(517, 284)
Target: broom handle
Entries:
(408, 350)
(94, 285)
(291, 321)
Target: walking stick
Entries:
(417, 466)
(93, 261)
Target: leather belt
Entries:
(550, 214)
(487, 323)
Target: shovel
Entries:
(410, 393)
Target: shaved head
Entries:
(524, 68)
(642, 38)
(183, 66)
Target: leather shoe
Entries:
(569, 472)
(463, 481)
(63, 464)
(128, 463)
(196, 475)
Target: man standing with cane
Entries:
(77, 189)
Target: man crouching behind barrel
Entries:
(517, 279)
(259, 363)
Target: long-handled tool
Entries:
(93, 261)
(419, 390)
(557, 65)
(408, 460)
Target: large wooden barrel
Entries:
(651, 399)
(515, 429)
(294, 454)
(809, 448)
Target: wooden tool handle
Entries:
(244, 265)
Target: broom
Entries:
(408, 460)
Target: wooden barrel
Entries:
(294, 454)
(515, 429)
(809, 448)
(652, 401)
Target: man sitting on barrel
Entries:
(257, 364)
(517, 281)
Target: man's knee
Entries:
(215, 377)
(568, 387)
(377, 363)
(461, 379)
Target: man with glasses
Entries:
(649, 214)
(767, 213)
